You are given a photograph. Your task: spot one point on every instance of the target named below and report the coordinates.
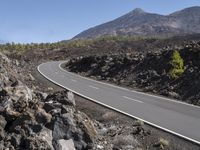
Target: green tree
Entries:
(177, 65)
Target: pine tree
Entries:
(177, 65)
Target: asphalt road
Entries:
(175, 117)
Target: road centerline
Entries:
(133, 99)
(93, 87)
(73, 80)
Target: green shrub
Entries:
(177, 64)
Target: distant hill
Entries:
(139, 22)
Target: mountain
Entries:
(139, 22)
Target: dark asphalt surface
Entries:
(178, 118)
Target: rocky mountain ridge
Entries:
(141, 23)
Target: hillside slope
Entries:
(139, 22)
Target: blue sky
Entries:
(27, 21)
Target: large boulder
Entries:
(65, 128)
(63, 97)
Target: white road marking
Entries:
(94, 87)
(133, 99)
(73, 80)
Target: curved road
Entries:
(172, 116)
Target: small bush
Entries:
(162, 143)
(177, 64)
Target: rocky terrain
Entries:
(139, 22)
(36, 114)
(150, 72)
(33, 119)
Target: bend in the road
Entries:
(129, 100)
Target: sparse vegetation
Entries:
(18, 48)
(177, 64)
(162, 143)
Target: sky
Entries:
(36, 21)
